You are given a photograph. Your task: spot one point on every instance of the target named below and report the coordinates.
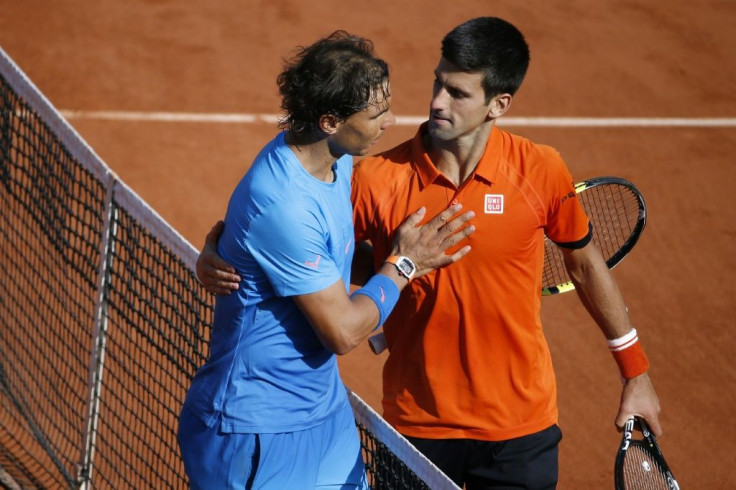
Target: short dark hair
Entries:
(493, 47)
(337, 75)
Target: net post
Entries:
(7, 481)
(99, 338)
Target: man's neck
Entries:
(314, 156)
(458, 158)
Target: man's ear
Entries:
(499, 105)
(328, 123)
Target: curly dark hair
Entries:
(337, 75)
(493, 47)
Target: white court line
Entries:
(564, 122)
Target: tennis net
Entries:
(103, 323)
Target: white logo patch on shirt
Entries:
(494, 204)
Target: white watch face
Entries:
(406, 267)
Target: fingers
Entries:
(443, 218)
(451, 234)
(621, 420)
(654, 425)
(445, 259)
(426, 244)
(217, 289)
(639, 399)
(215, 274)
(220, 276)
(457, 223)
(217, 281)
(415, 218)
(652, 421)
(459, 254)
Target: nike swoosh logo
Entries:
(383, 295)
(314, 264)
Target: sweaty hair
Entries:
(337, 75)
(493, 47)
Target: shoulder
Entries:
(286, 222)
(531, 159)
(388, 166)
(387, 160)
(520, 147)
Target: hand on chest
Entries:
(507, 219)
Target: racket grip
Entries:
(377, 343)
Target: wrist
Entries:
(384, 292)
(629, 355)
(404, 266)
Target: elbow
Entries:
(348, 343)
(340, 344)
(343, 349)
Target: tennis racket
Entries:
(639, 462)
(618, 213)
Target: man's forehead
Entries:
(450, 72)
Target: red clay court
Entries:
(172, 95)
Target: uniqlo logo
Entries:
(494, 204)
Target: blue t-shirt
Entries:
(287, 233)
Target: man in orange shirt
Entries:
(469, 378)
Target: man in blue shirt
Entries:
(268, 409)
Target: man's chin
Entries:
(362, 152)
(439, 133)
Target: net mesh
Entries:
(103, 323)
(51, 211)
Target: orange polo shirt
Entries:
(468, 358)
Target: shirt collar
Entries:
(487, 167)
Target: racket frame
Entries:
(649, 445)
(625, 248)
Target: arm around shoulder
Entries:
(216, 275)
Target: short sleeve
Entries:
(567, 223)
(289, 243)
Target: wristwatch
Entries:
(404, 266)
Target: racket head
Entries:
(618, 213)
(639, 461)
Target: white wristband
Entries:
(624, 342)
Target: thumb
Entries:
(215, 233)
(622, 418)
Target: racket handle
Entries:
(377, 343)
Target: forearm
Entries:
(343, 321)
(598, 291)
(603, 300)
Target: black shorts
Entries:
(528, 462)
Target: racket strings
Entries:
(642, 471)
(615, 211)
